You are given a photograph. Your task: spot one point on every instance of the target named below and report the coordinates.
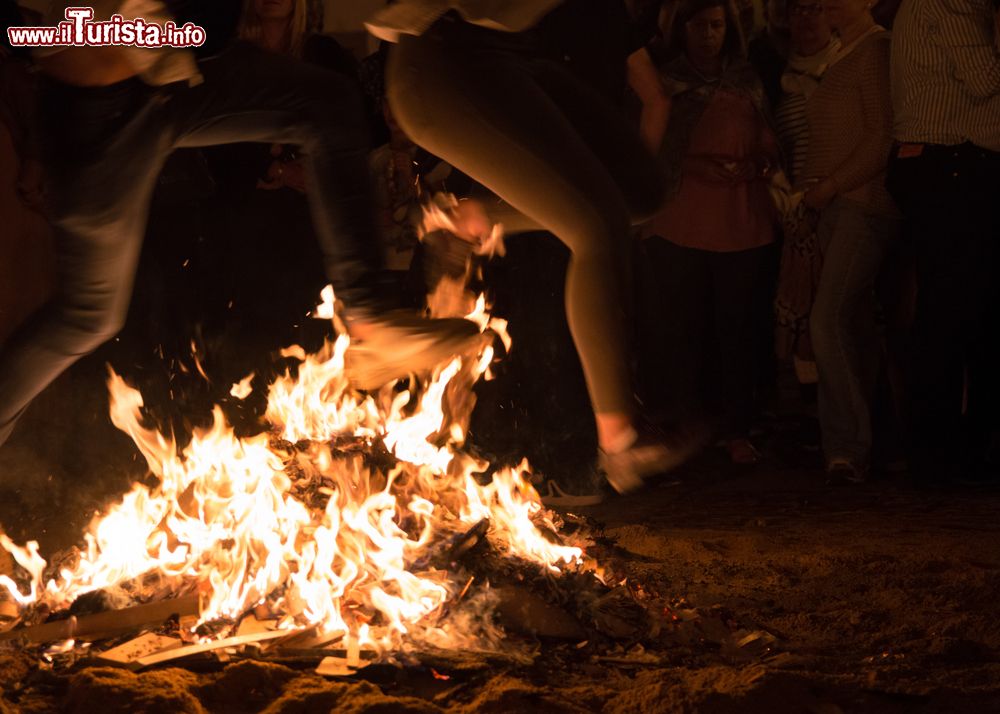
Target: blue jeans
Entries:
(104, 149)
(843, 326)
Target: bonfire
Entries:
(340, 524)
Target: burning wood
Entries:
(353, 517)
(173, 654)
(129, 653)
(104, 625)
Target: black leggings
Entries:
(551, 148)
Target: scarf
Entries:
(802, 74)
(845, 50)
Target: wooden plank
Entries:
(250, 625)
(339, 667)
(180, 652)
(108, 624)
(305, 642)
(46, 632)
(140, 647)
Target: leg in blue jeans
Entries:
(105, 147)
(843, 326)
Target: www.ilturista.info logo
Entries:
(80, 30)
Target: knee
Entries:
(88, 326)
(601, 233)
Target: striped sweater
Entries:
(850, 125)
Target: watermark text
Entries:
(80, 30)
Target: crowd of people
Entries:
(742, 188)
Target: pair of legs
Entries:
(553, 150)
(104, 149)
(703, 325)
(845, 336)
(948, 198)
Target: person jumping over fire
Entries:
(110, 116)
(470, 82)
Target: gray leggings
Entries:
(552, 149)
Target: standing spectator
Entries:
(850, 134)
(712, 242)
(944, 173)
(812, 46)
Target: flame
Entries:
(242, 389)
(303, 521)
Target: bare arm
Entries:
(645, 82)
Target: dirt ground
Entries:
(879, 598)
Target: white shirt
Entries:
(414, 17)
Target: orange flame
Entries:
(244, 521)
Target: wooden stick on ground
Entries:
(110, 623)
(177, 653)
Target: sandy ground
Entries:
(880, 598)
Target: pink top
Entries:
(715, 216)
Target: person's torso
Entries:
(836, 112)
(930, 101)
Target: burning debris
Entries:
(357, 526)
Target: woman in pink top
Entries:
(712, 244)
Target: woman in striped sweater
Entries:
(850, 134)
(812, 44)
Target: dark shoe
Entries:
(649, 455)
(403, 343)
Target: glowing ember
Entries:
(300, 519)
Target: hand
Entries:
(819, 196)
(472, 224)
(743, 171)
(281, 174)
(716, 170)
(467, 220)
(710, 169)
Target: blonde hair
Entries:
(298, 25)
